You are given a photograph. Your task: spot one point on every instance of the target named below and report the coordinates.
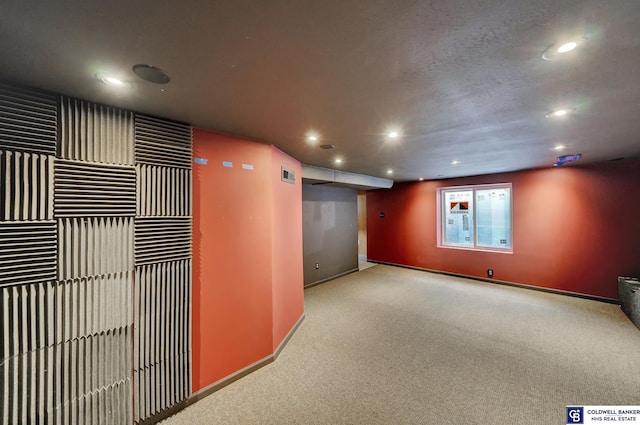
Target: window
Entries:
(476, 217)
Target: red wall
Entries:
(287, 271)
(574, 229)
(237, 255)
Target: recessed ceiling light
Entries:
(554, 50)
(558, 147)
(454, 162)
(327, 147)
(567, 47)
(111, 80)
(151, 74)
(312, 138)
(393, 134)
(389, 171)
(559, 113)
(338, 161)
(421, 179)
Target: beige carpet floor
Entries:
(389, 345)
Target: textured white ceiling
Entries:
(462, 79)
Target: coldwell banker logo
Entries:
(575, 415)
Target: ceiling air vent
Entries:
(287, 175)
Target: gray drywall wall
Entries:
(330, 231)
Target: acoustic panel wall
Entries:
(162, 239)
(94, 207)
(163, 191)
(163, 143)
(27, 252)
(85, 189)
(93, 246)
(96, 133)
(162, 345)
(28, 121)
(26, 182)
(64, 356)
(71, 183)
(162, 336)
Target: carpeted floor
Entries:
(389, 345)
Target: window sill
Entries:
(464, 248)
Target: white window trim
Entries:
(475, 246)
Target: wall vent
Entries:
(287, 175)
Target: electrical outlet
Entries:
(317, 266)
(490, 272)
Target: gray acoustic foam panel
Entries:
(161, 142)
(162, 317)
(85, 189)
(95, 262)
(92, 246)
(162, 239)
(65, 353)
(163, 191)
(28, 121)
(96, 133)
(27, 252)
(26, 186)
(162, 336)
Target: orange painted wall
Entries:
(574, 229)
(288, 296)
(236, 256)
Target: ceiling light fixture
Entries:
(393, 134)
(558, 147)
(389, 171)
(110, 80)
(454, 162)
(567, 47)
(560, 113)
(312, 138)
(421, 179)
(552, 51)
(338, 161)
